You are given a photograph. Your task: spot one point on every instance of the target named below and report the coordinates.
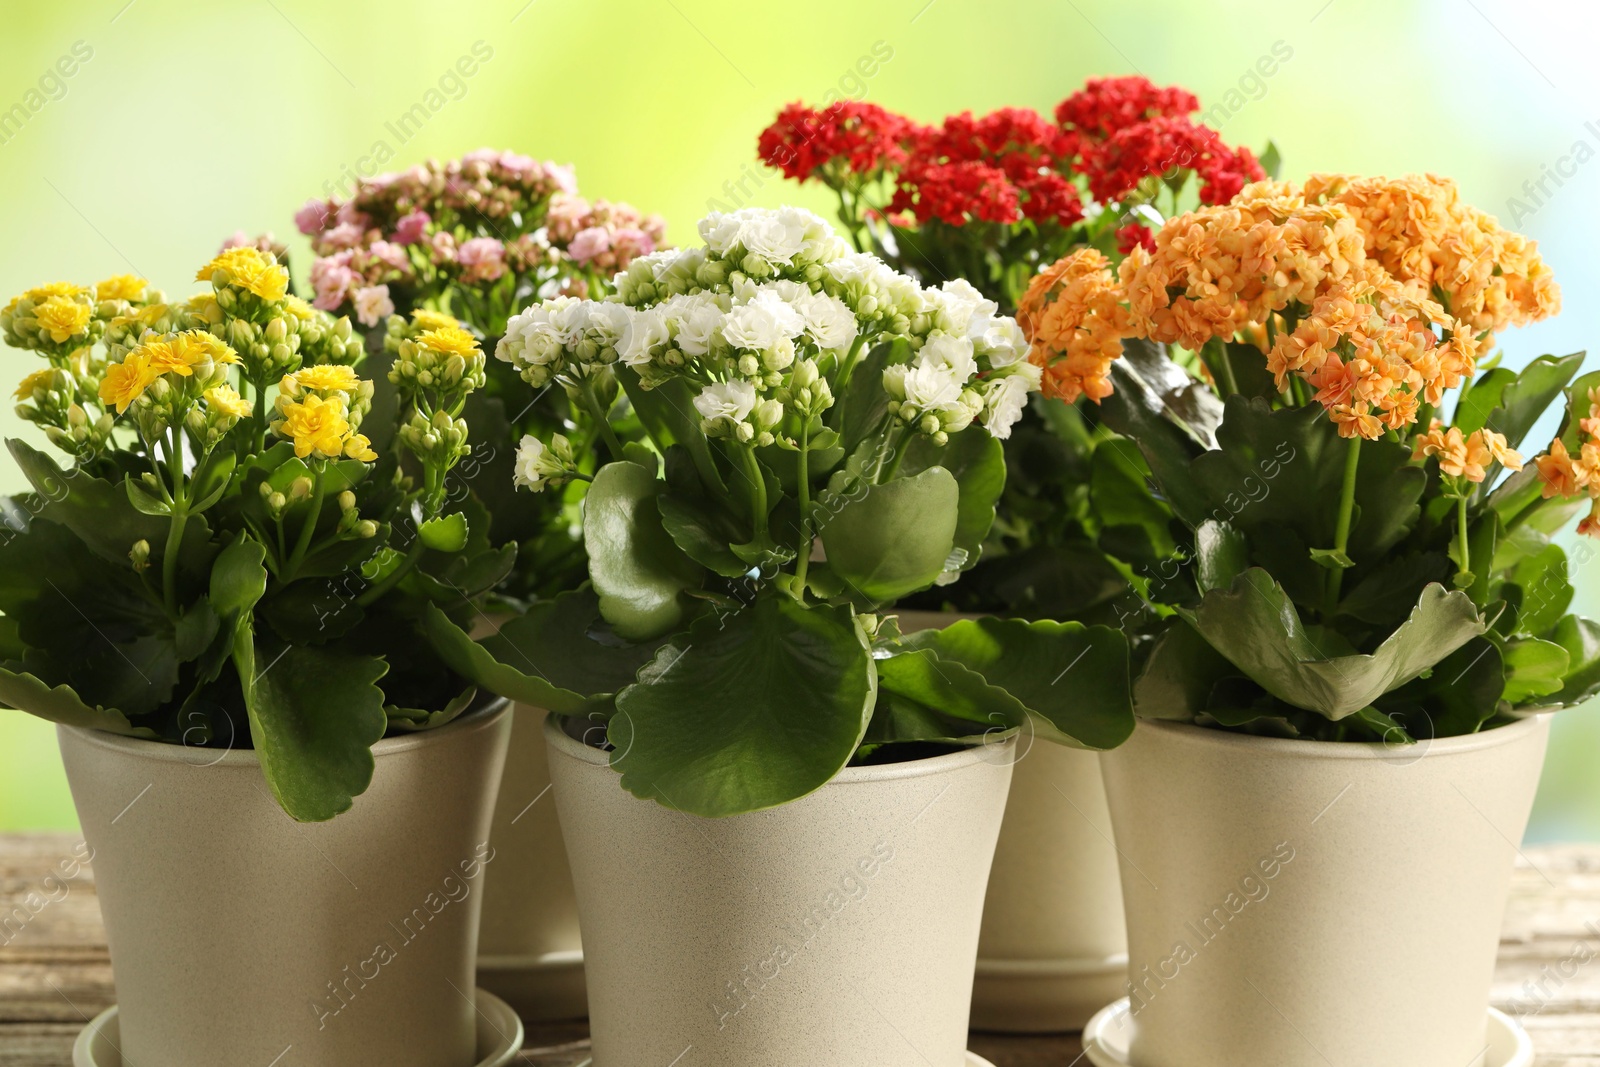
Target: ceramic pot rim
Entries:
(929, 766)
(471, 721)
(1297, 748)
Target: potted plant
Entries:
(218, 602)
(795, 849)
(465, 243)
(1341, 727)
(992, 199)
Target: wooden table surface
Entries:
(55, 974)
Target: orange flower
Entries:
(1557, 473)
(1073, 315)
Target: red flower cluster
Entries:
(1014, 163)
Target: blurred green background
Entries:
(191, 119)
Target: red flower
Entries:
(865, 137)
(1117, 165)
(1134, 236)
(956, 193)
(1105, 105)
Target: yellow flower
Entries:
(249, 269)
(121, 287)
(224, 399)
(326, 378)
(315, 425)
(125, 382)
(62, 318)
(299, 308)
(183, 351)
(434, 320)
(44, 292)
(448, 340)
(358, 447)
(39, 379)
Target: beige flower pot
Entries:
(1301, 904)
(840, 929)
(239, 936)
(1052, 949)
(529, 951)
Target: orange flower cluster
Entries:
(1466, 456)
(1074, 315)
(1419, 230)
(1309, 273)
(1562, 475)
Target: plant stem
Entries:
(592, 402)
(303, 542)
(1341, 533)
(389, 581)
(1461, 533)
(803, 549)
(758, 488)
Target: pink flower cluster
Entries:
(405, 238)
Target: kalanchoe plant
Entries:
(994, 199)
(1337, 560)
(228, 562)
(463, 244)
(821, 441)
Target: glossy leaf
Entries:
(894, 538)
(25, 692)
(637, 569)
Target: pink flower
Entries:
(589, 243)
(443, 245)
(565, 178)
(409, 230)
(391, 255)
(239, 240)
(373, 304)
(349, 213)
(483, 258)
(520, 165)
(629, 243)
(331, 279)
(313, 218)
(568, 213)
(656, 227)
(344, 235)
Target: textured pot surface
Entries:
(529, 949)
(237, 934)
(840, 929)
(1052, 946)
(1305, 904)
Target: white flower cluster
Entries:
(768, 317)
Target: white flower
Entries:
(726, 400)
(955, 305)
(762, 323)
(854, 271)
(720, 231)
(1003, 401)
(539, 336)
(697, 331)
(999, 339)
(373, 304)
(951, 354)
(606, 323)
(530, 471)
(645, 330)
(931, 387)
(829, 321)
(775, 237)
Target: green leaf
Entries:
(897, 719)
(1179, 675)
(1457, 696)
(238, 578)
(1534, 668)
(1271, 160)
(978, 463)
(755, 709)
(1546, 591)
(1257, 628)
(1221, 555)
(636, 568)
(1170, 415)
(1119, 485)
(142, 499)
(1388, 592)
(522, 683)
(698, 531)
(413, 720)
(1522, 401)
(1581, 638)
(893, 539)
(948, 688)
(314, 717)
(60, 704)
(445, 533)
(1073, 679)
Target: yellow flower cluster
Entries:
(181, 355)
(1466, 456)
(249, 269)
(129, 287)
(1073, 313)
(1309, 273)
(314, 411)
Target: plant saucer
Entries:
(1105, 1041)
(499, 1036)
(973, 1060)
(540, 988)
